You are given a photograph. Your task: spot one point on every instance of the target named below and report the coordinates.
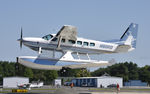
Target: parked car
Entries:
(112, 86)
(67, 83)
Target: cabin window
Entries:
(85, 43)
(79, 42)
(92, 44)
(63, 40)
(71, 41)
(55, 39)
(47, 37)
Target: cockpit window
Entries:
(47, 37)
(55, 39)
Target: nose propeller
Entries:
(21, 39)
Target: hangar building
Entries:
(12, 82)
(102, 81)
(135, 83)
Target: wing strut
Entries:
(40, 50)
(54, 53)
(59, 42)
(88, 56)
(78, 55)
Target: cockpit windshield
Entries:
(47, 37)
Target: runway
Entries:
(79, 90)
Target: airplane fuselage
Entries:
(81, 45)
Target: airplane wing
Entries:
(67, 32)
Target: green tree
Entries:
(127, 70)
(133, 70)
(144, 74)
(83, 73)
(100, 72)
(39, 75)
(28, 72)
(68, 72)
(8, 69)
(1, 74)
(51, 75)
(19, 69)
(119, 70)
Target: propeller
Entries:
(21, 38)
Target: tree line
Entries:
(8, 69)
(127, 70)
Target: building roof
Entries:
(101, 77)
(15, 77)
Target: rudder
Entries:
(130, 35)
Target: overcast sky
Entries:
(95, 19)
